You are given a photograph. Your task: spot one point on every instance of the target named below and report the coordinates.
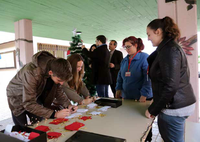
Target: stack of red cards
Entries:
(58, 121)
(33, 135)
(42, 128)
(74, 126)
(86, 118)
(52, 135)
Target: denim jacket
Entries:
(138, 83)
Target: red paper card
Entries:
(58, 121)
(52, 135)
(85, 118)
(74, 126)
(42, 128)
(33, 135)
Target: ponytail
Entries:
(140, 44)
(133, 40)
(169, 28)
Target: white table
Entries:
(127, 121)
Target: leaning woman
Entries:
(76, 89)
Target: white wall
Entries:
(198, 35)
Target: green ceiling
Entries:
(116, 19)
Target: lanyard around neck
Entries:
(129, 60)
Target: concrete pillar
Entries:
(23, 42)
(184, 13)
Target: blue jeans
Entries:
(171, 128)
(102, 90)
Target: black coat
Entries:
(100, 65)
(116, 60)
(170, 77)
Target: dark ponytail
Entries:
(169, 28)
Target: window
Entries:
(56, 50)
(7, 60)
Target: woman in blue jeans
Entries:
(173, 97)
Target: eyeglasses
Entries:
(127, 47)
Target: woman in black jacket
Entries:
(173, 97)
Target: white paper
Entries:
(8, 129)
(74, 115)
(82, 110)
(21, 136)
(95, 112)
(105, 108)
(91, 105)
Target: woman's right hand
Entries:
(118, 94)
(87, 101)
(62, 113)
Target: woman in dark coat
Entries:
(173, 97)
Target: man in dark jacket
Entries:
(36, 86)
(115, 60)
(100, 68)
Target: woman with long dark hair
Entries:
(173, 97)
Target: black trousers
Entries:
(22, 119)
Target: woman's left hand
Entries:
(87, 101)
(143, 99)
(148, 115)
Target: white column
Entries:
(184, 14)
(23, 42)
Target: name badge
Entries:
(128, 74)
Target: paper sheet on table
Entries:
(105, 108)
(20, 135)
(82, 110)
(74, 115)
(8, 129)
(95, 113)
(92, 105)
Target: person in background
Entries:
(75, 88)
(93, 47)
(36, 86)
(115, 60)
(132, 80)
(173, 99)
(89, 72)
(101, 71)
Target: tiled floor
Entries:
(5, 122)
(4, 111)
(155, 133)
